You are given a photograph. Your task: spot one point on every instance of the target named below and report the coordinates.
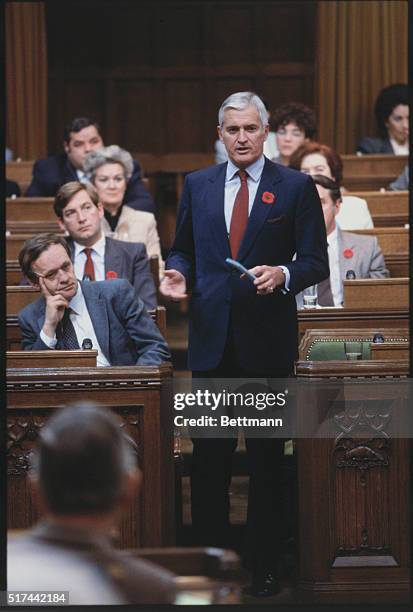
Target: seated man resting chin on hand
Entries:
(109, 313)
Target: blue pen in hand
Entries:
(241, 269)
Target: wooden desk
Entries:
(353, 484)
(140, 396)
(21, 172)
(388, 209)
(30, 209)
(376, 293)
(392, 240)
(371, 172)
(341, 318)
(18, 297)
(13, 273)
(390, 351)
(51, 359)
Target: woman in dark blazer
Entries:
(392, 116)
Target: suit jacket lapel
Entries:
(215, 197)
(69, 172)
(98, 315)
(260, 210)
(344, 241)
(113, 258)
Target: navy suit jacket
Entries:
(129, 260)
(373, 146)
(51, 173)
(265, 326)
(125, 331)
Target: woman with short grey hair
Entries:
(109, 170)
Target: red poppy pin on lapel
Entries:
(110, 274)
(268, 197)
(348, 253)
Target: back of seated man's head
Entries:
(83, 461)
(80, 137)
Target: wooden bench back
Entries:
(392, 240)
(388, 209)
(375, 293)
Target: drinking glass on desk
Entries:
(310, 297)
(353, 350)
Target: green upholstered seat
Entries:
(326, 349)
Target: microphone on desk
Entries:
(378, 338)
(350, 275)
(87, 344)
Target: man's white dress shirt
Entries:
(82, 324)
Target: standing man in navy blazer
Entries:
(239, 328)
(80, 137)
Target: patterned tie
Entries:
(239, 219)
(89, 271)
(68, 335)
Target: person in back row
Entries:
(315, 158)
(81, 136)
(110, 170)
(294, 124)
(109, 313)
(84, 473)
(346, 251)
(94, 255)
(392, 116)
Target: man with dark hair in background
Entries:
(347, 252)
(81, 136)
(85, 472)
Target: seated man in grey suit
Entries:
(94, 255)
(347, 252)
(109, 313)
(84, 473)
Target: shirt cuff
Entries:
(47, 340)
(286, 288)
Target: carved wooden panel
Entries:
(137, 394)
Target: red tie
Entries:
(239, 217)
(89, 270)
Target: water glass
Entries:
(353, 350)
(310, 297)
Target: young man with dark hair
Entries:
(94, 255)
(81, 136)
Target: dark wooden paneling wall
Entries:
(154, 73)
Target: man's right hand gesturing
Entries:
(173, 286)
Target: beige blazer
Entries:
(137, 226)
